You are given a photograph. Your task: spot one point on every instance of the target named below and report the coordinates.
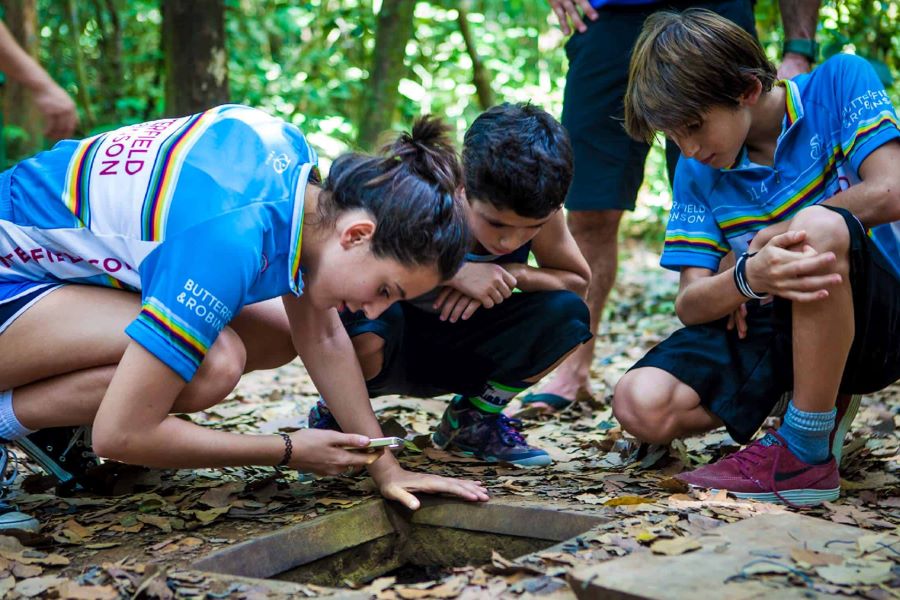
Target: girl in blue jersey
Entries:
(180, 235)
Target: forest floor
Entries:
(141, 541)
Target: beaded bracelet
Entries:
(740, 277)
(288, 449)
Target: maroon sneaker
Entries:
(847, 407)
(766, 470)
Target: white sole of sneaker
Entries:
(837, 446)
(798, 497)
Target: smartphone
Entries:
(391, 443)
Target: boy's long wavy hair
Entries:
(410, 189)
(684, 64)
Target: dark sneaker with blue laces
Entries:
(10, 516)
(63, 452)
(321, 418)
(490, 437)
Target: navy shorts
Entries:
(741, 380)
(21, 297)
(609, 165)
(519, 338)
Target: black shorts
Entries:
(609, 165)
(517, 339)
(741, 380)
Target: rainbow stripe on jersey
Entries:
(164, 176)
(75, 191)
(834, 118)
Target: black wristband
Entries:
(740, 277)
(288, 449)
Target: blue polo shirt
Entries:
(836, 116)
(201, 214)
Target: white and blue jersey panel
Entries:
(203, 214)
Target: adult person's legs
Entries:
(609, 165)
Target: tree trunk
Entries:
(480, 76)
(109, 71)
(393, 31)
(18, 109)
(196, 60)
(84, 96)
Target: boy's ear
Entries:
(753, 93)
(359, 231)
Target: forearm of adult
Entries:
(327, 353)
(799, 18)
(133, 424)
(704, 296)
(18, 65)
(539, 279)
(335, 370)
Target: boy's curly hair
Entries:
(684, 64)
(517, 156)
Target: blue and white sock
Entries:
(10, 427)
(807, 433)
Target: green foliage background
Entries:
(306, 61)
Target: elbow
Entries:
(110, 447)
(580, 285)
(683, 312)
(113, 444)
(891, 201)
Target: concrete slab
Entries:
(714, 570)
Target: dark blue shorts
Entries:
(517, 339)
(609, 165)
(741, 380)
(21, 297)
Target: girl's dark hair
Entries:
(409, 188)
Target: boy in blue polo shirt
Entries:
(799, 180)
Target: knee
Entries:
(218, 374)
(369, 348)
(826, 230)
(643, 409)
(558, 309)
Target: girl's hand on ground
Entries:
(568, 9)
(738, 319)
(789, 268)
(455, 305)
(323, 452)
(399, 484)
(488, 283)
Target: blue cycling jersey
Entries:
(203, 214)
(835, 117)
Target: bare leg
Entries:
(64, 364)
(369, 349)
(596, 235)
(822, 330)
(654, 406)
(266, 335)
